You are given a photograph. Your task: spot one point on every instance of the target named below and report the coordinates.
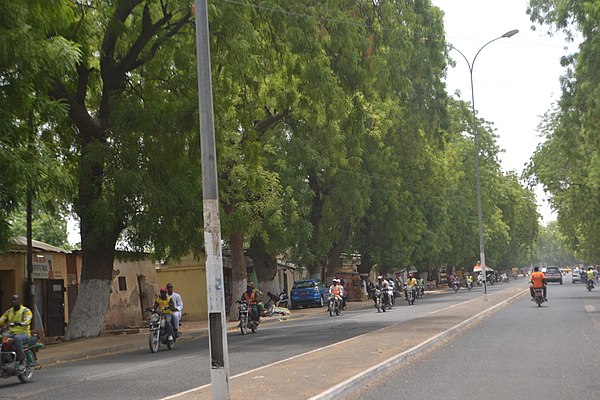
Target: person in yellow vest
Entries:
(469, 281)
(590, 276)
(18, 319)
(164, 304)
(411, 284)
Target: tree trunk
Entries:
(87, 318)
(333, 258)
(239, 277)
(366, 263)
(265, 267)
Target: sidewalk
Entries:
(137, 339)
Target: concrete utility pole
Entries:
(219, 374)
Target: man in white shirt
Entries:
(178, 303)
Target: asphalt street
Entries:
(522, 352)
(142, 375)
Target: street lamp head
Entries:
(510, 33)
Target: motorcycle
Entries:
(420, 292)
(277, 305)
(158, 331)
(377, 296)
(410, 296)
(504, 278)
(333, 303)
(455, 285)
(8, 358)
(469, 285)
(247, 322)
(538, 296)
(590, 285)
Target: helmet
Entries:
(250, 284)
(336, 280)
(163, 289)
(410, 275)
(380, 277)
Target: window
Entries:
(122, 283)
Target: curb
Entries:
(344, 388)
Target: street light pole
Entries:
(477, 181)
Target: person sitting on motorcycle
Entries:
(336, 290)
(391, 290)
(250, 297)
(383, 287)
(342, 294)
(411, 284)
(590, 276)
(18, 319)
(421, 285)
(469, 281)
(538, 280)
(164, 304)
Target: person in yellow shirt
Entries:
(164, 304)
(590, 276)
(18, 319)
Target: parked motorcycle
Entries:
(158, 331)
(333, 303)
(456, 285)
(590, 285)
(8, 358)
(538, 296)
(247, 321)
(504, 278)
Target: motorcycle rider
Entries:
(383, 287)
(421, 285)
(164, 303)
(250, 296)
(178, 303)
(18, 319)
(391, 290)
(538, 280)
(411, 284)
(342, 294)
(336, 290)
(469, 281)
(590, 276)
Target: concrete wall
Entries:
(188, 277)
(128, 302)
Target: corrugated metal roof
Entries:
(21, 242)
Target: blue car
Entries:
(308, 292)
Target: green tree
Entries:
(30, 52)
(567, 163)
(46, 227)
(127, 139)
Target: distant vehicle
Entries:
(578, 276)
(308, 292)
(553, 274)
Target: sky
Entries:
(515, 80)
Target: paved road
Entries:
(554, 350)
(142, 375)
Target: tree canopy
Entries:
(334, 132)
